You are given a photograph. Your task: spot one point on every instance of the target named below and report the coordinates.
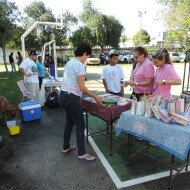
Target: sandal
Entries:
(87, 158)
(69, 150)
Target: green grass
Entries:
(9, 87)
(10, 90)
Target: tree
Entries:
(83, 34)
(107, 29)
(123, 39)
(9, 14)
(177, 17)
(173, 37)
(114, 34)
(14, 42)
(145, 38)
(88, 11)
(46, 33)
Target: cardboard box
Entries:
(30, 110)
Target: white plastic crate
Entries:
(11, 123)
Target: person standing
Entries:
(165, 76)
(29, 69)
(142, 75)
(51, 66)
(11, 61)
(112, 75)
(73, 85)
(41, 70)
(19, 58)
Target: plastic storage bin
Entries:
(14, 130)
(30, 110)
(11, 123)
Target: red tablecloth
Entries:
(106, 113)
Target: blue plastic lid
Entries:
(29, 103)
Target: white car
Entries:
(175, 57)
(93, 61)
(126, 56)
(182, 56)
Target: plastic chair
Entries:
(22, 86)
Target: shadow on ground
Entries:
(33, 161)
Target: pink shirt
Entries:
(167, 72)
(140, 73)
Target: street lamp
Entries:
(141, 15)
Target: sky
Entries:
(126, 11)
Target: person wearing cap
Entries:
(112, 75)
(29, 69)
(142, 75)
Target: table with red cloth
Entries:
(107, 114)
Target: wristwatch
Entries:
(164, 81)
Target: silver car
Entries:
(175, 57)
(126, 57)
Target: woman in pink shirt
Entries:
(165, 74)
(142, 74)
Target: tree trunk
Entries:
(4, 59)
(102, 48)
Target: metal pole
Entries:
(55, 59)
(32, 28)
(141, 15)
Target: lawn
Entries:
(9, 87)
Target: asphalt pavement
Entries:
(33, 160)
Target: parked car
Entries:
(175, 57)
(126, 57)
(182, 56)
(104, 58)
(150, 55)
(93, 60)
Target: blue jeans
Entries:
(74, 115)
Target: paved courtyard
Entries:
(33, 160)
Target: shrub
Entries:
(69, 56)
(60, 62)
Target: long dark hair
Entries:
(162, 54)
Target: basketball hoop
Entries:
(58, 25)
(59, 22)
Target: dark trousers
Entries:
(40, 81)
(118, 94)
(74, 116)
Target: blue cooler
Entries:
(30, 110)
